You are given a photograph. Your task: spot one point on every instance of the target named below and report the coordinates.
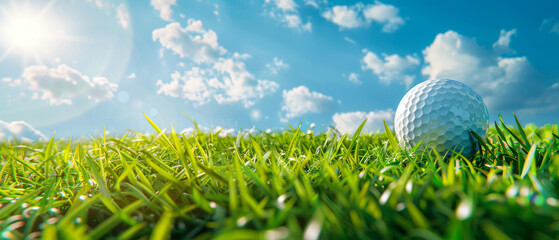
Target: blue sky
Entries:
(78, 66)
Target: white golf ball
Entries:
(440, 113)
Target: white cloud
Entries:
(349, 40)
(505, 83)
(192, 85)
(102, 5)
(312, 3)
(216, 11)
(123, 16)
(99, 4)
(504, 39)
(164, 8)
(255, 115)
(239, 84)
(360, 15)
(345, 16)
(550, 25)
(193, 41)
(227, 81)
(214, 75)
(354, 78)
(284, 5)
(295, 22)
(384, 14)
(300, 100)
(286, 12)
(62, 84)
(224, 132)
(132, 76)
(121, 11)
(348, 122)
(277, 65)
(392, 68)
(240, 56)
(20, 130)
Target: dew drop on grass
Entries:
(512, 191)
(92, 182)
(78, 220)
(52, 220)
(313, 230)
(14, 218)
(409, 187)
(34, 235)
(83, 197)
(242, 221)
(28, 211)
(55, 211)
(400, 206)
(464, 210)
(525, 191)
(385, 196)
(281, 201)
(278, 233)
(8, 235)
(16, 225)
(552, 202)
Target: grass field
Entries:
(282, 185)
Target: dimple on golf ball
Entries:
(440, 113)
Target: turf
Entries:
(291, 184)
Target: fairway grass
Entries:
(291, 184)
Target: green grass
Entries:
(282, 185)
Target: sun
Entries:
(27, 31)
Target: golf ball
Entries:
(440, 113)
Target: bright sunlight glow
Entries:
(27, 33)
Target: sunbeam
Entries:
(29, 31)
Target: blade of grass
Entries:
(162, 229)
(530, 163)
(29, 166)
(131, 232)
(521, 130)
(524, 145)
(98, 178)
(7, 210)
(391, 137)
(107, 225)
(203, 167)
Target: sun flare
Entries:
(27, 33)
